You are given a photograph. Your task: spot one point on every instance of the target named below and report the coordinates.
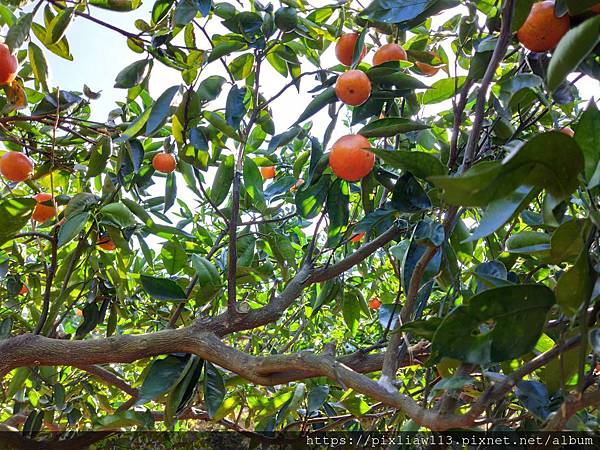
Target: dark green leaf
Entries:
(161, 110)
(72, 227)
(132, 75)
(162, 288)
(214, 389)
(161, 376)
(319, 102)
(495, 325)
(222, 181)
(14, 214)
(420, 164)
(390, 127)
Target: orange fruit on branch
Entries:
(595, 8)
(41, 212)
(350, 158)
(106, 243)
(267, 172)
(24, 290)
(427, 69)
(164, 162)
(389, 52)
(344, 48)
(374, 303)
(542, 30)
(8, 65)
(358, 237)
(353, 87)
(16, 166)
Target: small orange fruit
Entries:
(8, 65)
(595, 8)
(106, 243)
(358, 237)
(24, 290)
(267, 172)
(344, 48)
(568, 131)
(42, 213)
(427, 69)
(349, 158)
(78, 312)
(389, 52)
(16, 166)
(542, 30)
(353, 87)
(295, 187)
(164, 162)
(374, 303)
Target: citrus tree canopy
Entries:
(416, 248)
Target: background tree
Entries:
(435, 266)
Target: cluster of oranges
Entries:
(543, 30)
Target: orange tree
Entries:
(455, 209)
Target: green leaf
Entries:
(283, 139)
(219, 122)
(223, 49)
(161, 377)
(575, 285)
(235, 108)
(14, 214)
(117, 215)
(214, 389)
(58, 26)
(61, 48)
(208, 275)
(572, 50)
(393, 77)
(116, 5)
(500, 211)
(241, 67)
(99, 156)
(496, 325)
(223, 180)
(210, 88)
(351, 311)
(316, 397)
(420, 164)
(132, 75)
(338, 211)
(161, 110)
(253, 182)
(309, 201)
(173, 257)
(528, 242)
(316, 104)
(39, 66)
(162, 288)
(587, 136)
(72, 227)
(443, 90)
(18, 32)
(390, 127)
(549, 160)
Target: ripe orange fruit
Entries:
(42, 213)
(568, 131)
(267, 172)
(24, 290)
(427, 69)
(164, 162)
(106, 243)
(374, 303)
(353, 87)
(78, 312)
(16, 166)
(344, 48)
(595, 8)
(389, 52)
(358, 237)
(349, 158)
(8, 65)
(542, 30)
(299, 183)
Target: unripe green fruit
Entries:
(286, 18)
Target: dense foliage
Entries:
(452, 287)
